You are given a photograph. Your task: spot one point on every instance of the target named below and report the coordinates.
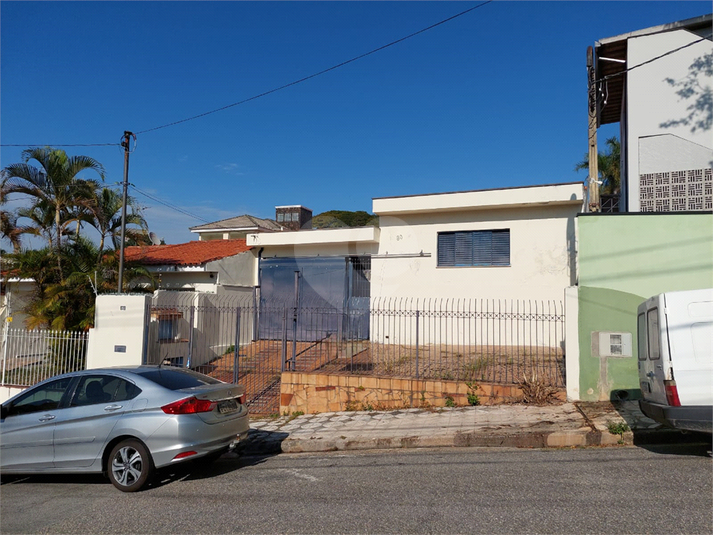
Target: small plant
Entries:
(292, 416)
(450, 402)
(475, 366)
(618, 428)
(473, 397)
(361, 388)
(230, 349)
(351, 406)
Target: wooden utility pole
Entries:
(126, 141)
(593, 182)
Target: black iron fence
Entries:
(241, 339)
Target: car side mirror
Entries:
(4, 411)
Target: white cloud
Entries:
(230, 168)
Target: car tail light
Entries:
(184, 455)
(241, 399)
(672, 393)
(190, 405)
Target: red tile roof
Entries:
(185, 254)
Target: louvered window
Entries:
(474, 248)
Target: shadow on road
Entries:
(254, 452)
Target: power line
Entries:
(169, 205)
(621, 73)
(59, 145)
(342, 64)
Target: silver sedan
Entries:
(124, 422)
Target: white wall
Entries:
(16, 297)
(652, 102)
(542, 255)
(117, 338)
(6, 392)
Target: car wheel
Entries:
(130, 465)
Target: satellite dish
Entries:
(155, 240)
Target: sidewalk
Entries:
(525, 426)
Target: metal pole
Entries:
(417, 318)
(236, 363)
(125, 144)
(190, 337)
(283, 356)
(293, 365)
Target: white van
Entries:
(675, 339)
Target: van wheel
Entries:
(130, 465)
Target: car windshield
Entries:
(177, 379)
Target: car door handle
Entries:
(47, 417)
(110, 408)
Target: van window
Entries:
(652, 317)
(641, 336)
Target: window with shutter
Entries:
(474, 248)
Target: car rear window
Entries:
(177, 379)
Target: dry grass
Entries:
(537, 392)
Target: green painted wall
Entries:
(646, 254)
(623, 260)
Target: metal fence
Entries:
(29, 357)
(498, 341)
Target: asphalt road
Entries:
(600, 490)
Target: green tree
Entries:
(609, 163)
(66, 301)
(54, 184)
(104, 214)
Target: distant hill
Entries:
(344, 219)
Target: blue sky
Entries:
(495, 98)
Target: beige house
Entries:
(509, 243)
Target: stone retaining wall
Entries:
(312, 393)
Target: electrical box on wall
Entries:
(610, 344)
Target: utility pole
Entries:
(593, 186)
(126, 144)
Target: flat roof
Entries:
(551, 194)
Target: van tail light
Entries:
(241, 399)
(190, 405)
(672, 394)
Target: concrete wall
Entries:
(238, 270)
(623, 260)
(542, 255)
(652, 121)
(117, 338)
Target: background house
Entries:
(662, 102)
(215, 266)
(665, 240)
(235, 228)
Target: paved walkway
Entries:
(564, 425)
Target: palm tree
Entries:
(55, 183)
(104, 214)
(41, 221)
(609, 163)
(9, 229)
